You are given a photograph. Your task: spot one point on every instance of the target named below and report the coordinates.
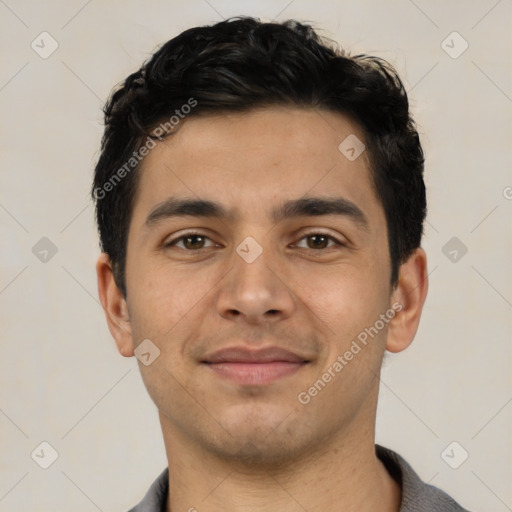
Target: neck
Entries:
(343, 473)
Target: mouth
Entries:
(254, 367)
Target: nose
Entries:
(256, 292)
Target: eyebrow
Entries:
(304, 207)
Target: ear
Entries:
(115, 306)
(408, 297)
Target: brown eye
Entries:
(319, 241)
(190, 242)
(193, 242)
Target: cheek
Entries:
(163, 296)
(342, 294)
(345, 301)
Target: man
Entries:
(260, 202)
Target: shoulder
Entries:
(417, 496)
(155, 499)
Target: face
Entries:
(252, 300)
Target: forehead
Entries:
(250, 161)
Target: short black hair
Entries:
(241, 64)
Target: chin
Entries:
(265, 439)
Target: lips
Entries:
(245, 355)
(254, 367)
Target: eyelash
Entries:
(306, 235)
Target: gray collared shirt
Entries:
(417, 496)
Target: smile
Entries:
(249, 366)
(251, 373)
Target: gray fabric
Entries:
(417, 496)
(155, 499)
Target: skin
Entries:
(239, 447)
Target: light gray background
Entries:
(61, 378)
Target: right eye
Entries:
(192, 241)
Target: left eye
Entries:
(319, 241)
